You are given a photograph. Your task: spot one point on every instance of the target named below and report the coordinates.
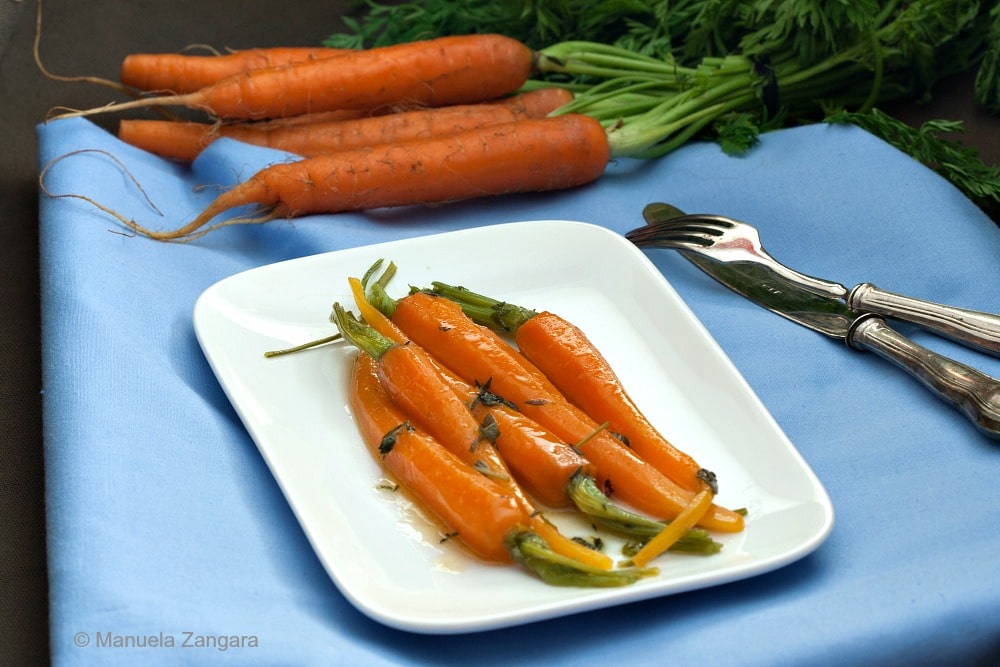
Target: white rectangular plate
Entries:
(380, 553)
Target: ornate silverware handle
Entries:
(974, 393)
(970, 327)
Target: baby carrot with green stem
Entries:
(437, 72)
(542, 462)
(564, 353)
(412, 382)
(472, 506)
(477, 354)
(474, 509)
(184, 140)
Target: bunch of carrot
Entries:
(508, 442)
(419, 123)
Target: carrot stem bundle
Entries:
(184, 140)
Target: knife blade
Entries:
(974, 393)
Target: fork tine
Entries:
(692, 230)
(688, 235)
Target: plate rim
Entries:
(569, 604)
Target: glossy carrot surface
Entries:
(473, 508)
(479, 355)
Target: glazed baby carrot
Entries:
(180, 73)
(478, 354)
(539, 460)
(412, 382)
(436, 72)
(472, 507)
(184, 140)
(577, 368)
(524, 156)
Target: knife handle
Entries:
(970, 327)
(974, 393)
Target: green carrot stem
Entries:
(303, 346)
(483, 309)
(533, 553)
(359, 334)
(588, 498)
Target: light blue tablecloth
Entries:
(163, 517)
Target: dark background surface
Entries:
(91, 37)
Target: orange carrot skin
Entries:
(447, 70)
(478, 354)
(524, 156)
(538, 103)
(415, 386)
(467, 503)
(540, 461)
(574, 365)
(185, 73)
(175, 140)
(182, 140)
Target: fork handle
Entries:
(974, 393)
(973, 328)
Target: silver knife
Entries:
(974, 393)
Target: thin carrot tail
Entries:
(142, 103)
(253, 191)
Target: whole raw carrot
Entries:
(184, 140)
(478, 354)
(180, 73)
(564, 353)
(473, 508)
(524, 156)
(436, 72)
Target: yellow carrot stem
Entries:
(676, 529)
(564, 546)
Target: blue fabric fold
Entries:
(163, 518)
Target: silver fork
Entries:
(727, 240)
